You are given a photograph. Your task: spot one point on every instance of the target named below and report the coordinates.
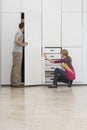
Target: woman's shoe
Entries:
(70, 83)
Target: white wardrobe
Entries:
(48, 24)
(32, 12)
(11, 17)
(84, 42)
(0, 35)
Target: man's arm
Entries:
(18, 42)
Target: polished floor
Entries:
(43, 108)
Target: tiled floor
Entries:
(43, 108)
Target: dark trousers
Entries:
(60, 76)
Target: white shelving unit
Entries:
(52, 53)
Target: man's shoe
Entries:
(52, 86)
(70, 83)
(17, 86)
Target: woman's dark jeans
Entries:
(60, 76)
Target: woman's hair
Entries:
(65, 53)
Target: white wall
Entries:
(84, 61)
(72, 34)
(66, 27)
(72, 29)
(0, 48)
(0, 6)
(72, 5)
(51, 12)
(84, 41)
(72, 23)
(85, 6)
(11, 6)
(10, 23)
(0, 35)
(11, 16)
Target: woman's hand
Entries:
(50, 60)
(45, 55)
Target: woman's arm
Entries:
(56, 61)
(50, 60)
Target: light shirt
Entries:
(18, 48)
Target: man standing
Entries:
(17, 57)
